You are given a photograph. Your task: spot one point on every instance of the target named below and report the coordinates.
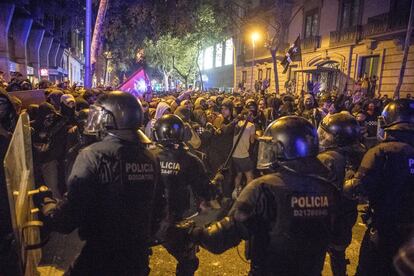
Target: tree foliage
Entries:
(186, 26)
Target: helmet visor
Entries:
(267, 154)
(380, 128)
(95, 122)
(326, 139)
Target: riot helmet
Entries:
(398, 115)
(338, 130)
(287, 138)
(82, 118)
(116, 113)
(169, 129)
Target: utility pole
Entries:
(406, 50)
(88, 25)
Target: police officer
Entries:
(181, 171)
(386, 177)
(112, 194)
(342, 153)
(285, 215)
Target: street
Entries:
(231, 262)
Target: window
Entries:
(399, 13)
(228, 54)
(260, 74)
(208, 58)
(268, 72)
(369, 66)
(311, 23)
(244, 76)
(349, 16)
(219, 55)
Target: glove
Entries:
(48, 205)
(351, 188)
(218, 179)
(184, 232)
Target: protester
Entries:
(213, 123)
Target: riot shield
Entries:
(18, 165)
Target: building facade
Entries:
(341, 41)
(217, 66)
(36, 39)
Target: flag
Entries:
(293, 54)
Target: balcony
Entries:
(384, 24)
(310, 43)
(345, 36)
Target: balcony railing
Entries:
(345, 36)
(310, 43)
(383, 24)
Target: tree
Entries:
(209, 28)
(185, 59)
(131, 24)
(276, 22)
(96, 45)
(172, 56)
(406, 50)
(160, 55)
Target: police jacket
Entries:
(180, 172)
(386, 177)
(113, 196)
(287, 218)
(343, 163)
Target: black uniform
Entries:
(343, 162)
(180, 172)
(286, 216)
(112, 198)
(386, 177)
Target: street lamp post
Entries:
(255, 36)
(88, 23)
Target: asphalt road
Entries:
(63, 250)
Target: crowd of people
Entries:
(222, 130)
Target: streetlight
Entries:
(255, 36)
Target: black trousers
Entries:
(107, 260)
(375, 257)
(185, 254)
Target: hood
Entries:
(183, 113)
(161, 108)
(197, 104)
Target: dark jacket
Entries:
(286, 216)
(114, 194)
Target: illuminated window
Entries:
(200, 60)
(311, 23)
(219, 55)
(369, 66)
(208, 58)
(244, 76)
(268, 72)
(349, 15)
(260, 74)
(228, 55)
